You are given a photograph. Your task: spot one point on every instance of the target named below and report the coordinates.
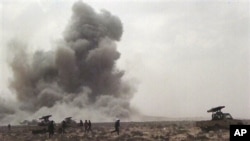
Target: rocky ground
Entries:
(129, 131)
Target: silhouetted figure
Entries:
(117, 126)
(89, 126)
(9, 127)
(81, 123)
(51, 128)
(86, 125)
(63, 126)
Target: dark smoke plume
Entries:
(81, 73)
(5, 109)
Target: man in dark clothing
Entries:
(63, 126)
(89, 126)
(9, 127)
(81, 125)
(86, 125)
(117, 126)
(51, 128)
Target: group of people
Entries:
(86, 124)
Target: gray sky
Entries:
(183, 57)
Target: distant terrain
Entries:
(129, 131)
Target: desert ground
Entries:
(129, 131)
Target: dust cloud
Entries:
(79, 78)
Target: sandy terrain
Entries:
(129, 131)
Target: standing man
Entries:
(117, 126)
(9, 127)
(63, 126)
(81, 125)
(86, 125)
(51, 128)
(89, 126)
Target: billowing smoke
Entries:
(78, 77)
(5, 108)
